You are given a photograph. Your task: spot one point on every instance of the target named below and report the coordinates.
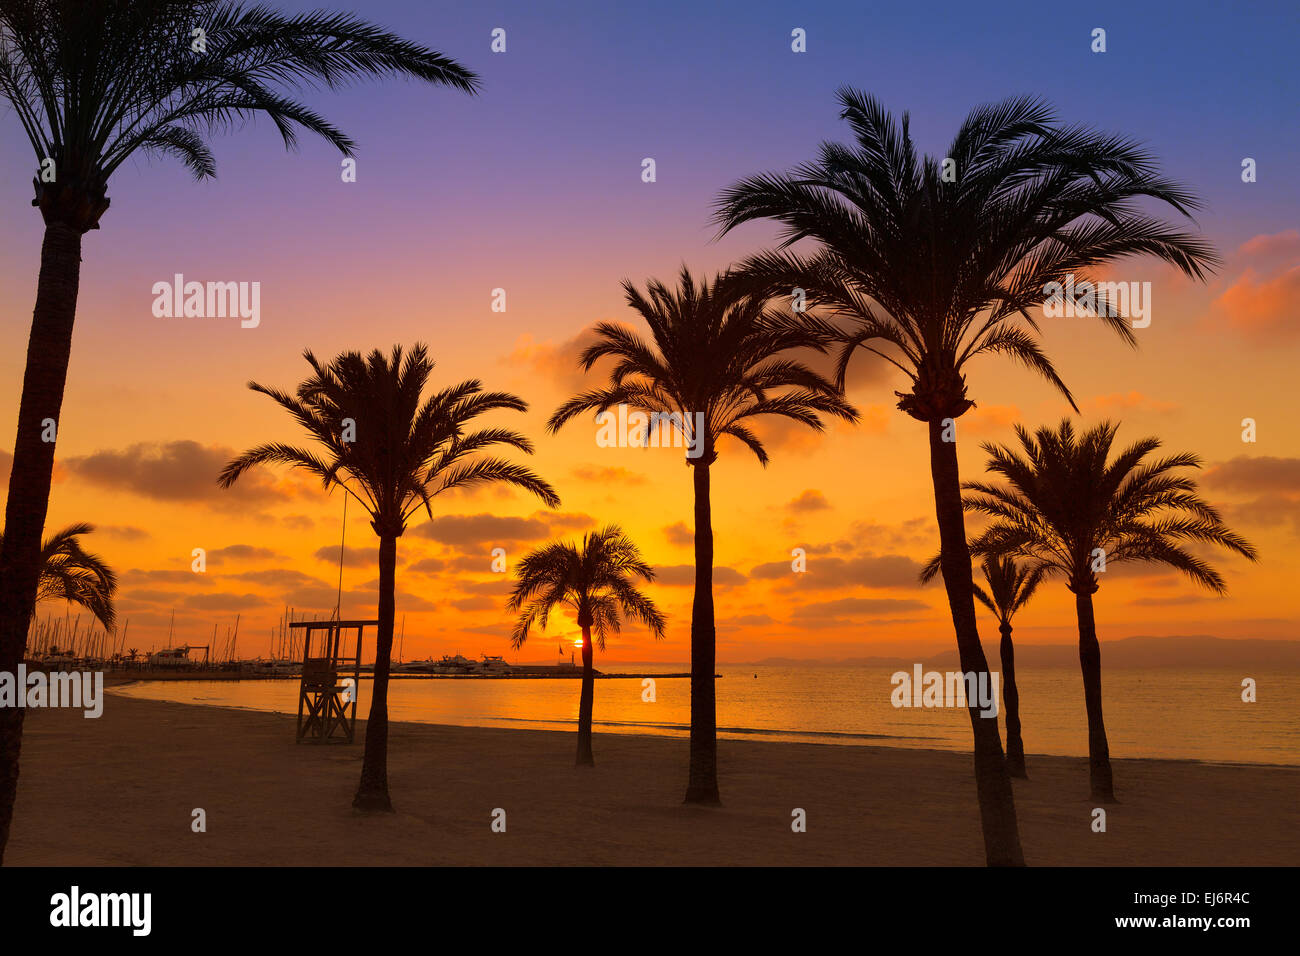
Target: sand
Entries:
(120, 790)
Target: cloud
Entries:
(479, 603)
(221, 601)
(427, 566)
(608, 475)
(1272, 483)
(1271, 248)
(147, 596)
(681, 575)
(1258, 303)
(988, 419)
(875, 419)
(1173, 601)
(557, 362)
(279, 578)
(177, 471)
(122, 532)
(352, 557)
(1267, 511)
(780, 434)
(1117, 403)
(829, 572)
(856, 607)
(565, 520)
(136, 575)
(313, 598)
(809, 500)
(679, 534)
(491, 530)
(1260, 306)
(464, 530)
(909, 533)
(242, 552)
(498, 585)
(474, 563)
(1256, 474)
(409, 601)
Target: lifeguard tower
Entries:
(327, 705)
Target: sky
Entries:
(535, 187)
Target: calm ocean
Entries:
(1196, 715)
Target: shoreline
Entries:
(730, 736)
(119, 678)
(144, 767)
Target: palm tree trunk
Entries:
(993, 785)
(585, 759)
(1103, 786)
(372, 793)
(48, 350)
(702, 787)
(1011, 703)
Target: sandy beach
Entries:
(120, 791)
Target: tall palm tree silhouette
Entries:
(394, 453)
(927, 264)
(1010, 585)
(720, 356)
(68, 572)
(1072, 510)
(93, 84)
(595, 580)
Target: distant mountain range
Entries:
(1182, 652)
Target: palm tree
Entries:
(394, 454)
(1071, 510)
(1010, 586)
(714, 364)
(927, 264)
(93, 84)
(70, 573)
(594, 580)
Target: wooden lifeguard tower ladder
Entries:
(327, 706)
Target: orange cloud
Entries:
(557, 362)
(679, 534)
(178, 471)
(490, 529)
(683, 575)
(608, 475)
(1259, 302)
(810, 500)
(875, 419)
(1269, 247)
(988, 419)
(1259, 306)
(1255, 474)
(1119, 402)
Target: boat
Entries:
(455, 665)
(494, 664)
(427, 666)
(171, 657)
(275, 668)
